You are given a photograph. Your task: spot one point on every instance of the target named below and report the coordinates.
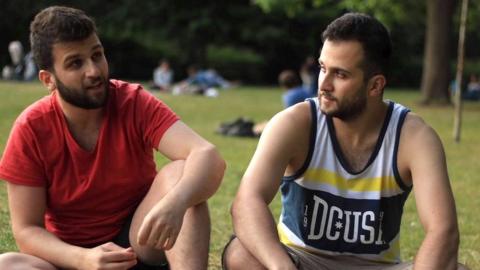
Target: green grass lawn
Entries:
(205, 114)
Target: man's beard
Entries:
(349, 108)
(80, 97)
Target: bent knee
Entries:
(11, 259)
(14, 261)
(169, 174)
(238, 257)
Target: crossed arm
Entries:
(202, 174)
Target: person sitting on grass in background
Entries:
(202, 82)
(309, 74)
(345, 163)
(162, 76)
(473, 88)
(22, 67)
(294, 90)
(82, 184)
(294, 93)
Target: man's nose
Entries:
(93, 70)
(324, 83)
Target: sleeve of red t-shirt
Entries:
(21, 163)
(155, 118)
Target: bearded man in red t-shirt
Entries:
(83, 188)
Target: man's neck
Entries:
(362, 127)
(358, 137)
(80, 118)
(84, 125)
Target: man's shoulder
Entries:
(296, 118)
(287, 136)
(124, 87)
(41, 110)
(127, 97)
(413, 123)
(38, 122)
(126, 92)
(417, 133)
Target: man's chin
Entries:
(101, 100)
(328, 112)
(328, 107)
(97, 98)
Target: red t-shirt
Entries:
(89, 194)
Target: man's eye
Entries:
(97, 56)
(75, 63)
(340, 75)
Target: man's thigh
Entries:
(308, 261)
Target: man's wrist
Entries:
(176, 200)
(80, 256)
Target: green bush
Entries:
(236, 63)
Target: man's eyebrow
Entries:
(336, 68)
(72, 56)
(97, 46)
(343, 70)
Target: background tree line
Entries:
(252, 40)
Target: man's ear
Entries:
(376, 85)
(47, 78)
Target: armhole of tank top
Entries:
(311, 148)
(396, 173)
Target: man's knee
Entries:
(19, 261)
(170, 173)
(232, 256)
(11, 260)
(236, 256)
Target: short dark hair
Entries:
(288, 79)
(372, 35)
(57, 24)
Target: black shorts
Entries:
(122, 239)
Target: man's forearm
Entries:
(39, 242)
(256, 230)
(438, 251)
(202, 174)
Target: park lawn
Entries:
(260, 103)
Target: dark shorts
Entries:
(307, 261)
(233, 238)
(123, 240)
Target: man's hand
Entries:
(162, 224)
(108, 256)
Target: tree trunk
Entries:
(437, 56)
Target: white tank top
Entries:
(326, 208)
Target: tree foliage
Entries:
(408, 23)
(237, 37)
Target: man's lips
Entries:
(327, 97)
(95, 86)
